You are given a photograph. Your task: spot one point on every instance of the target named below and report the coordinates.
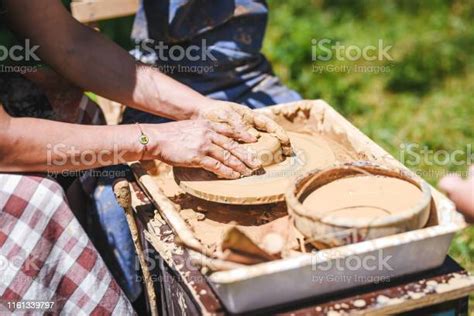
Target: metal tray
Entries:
(327, 271)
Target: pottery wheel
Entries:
(269, 184)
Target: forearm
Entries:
(35, 145)
(96, 64)
(111, 72)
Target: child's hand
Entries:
(461, 192)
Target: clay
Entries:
(252, 221)
(310, 152)
(267, 149)
(240, 244)
(273, 243)
(363, 198)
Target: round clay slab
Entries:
(311, 152)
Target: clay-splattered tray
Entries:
(289, 279)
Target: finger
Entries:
(253, 132)
(265, 123)
(238, 123)
(215, 166)
(461, 192)
(224, 129)
(450, 183)
(245, 113)
(249, 158)
(228, 159)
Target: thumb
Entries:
(450, 184)
(461, 193)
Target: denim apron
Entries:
(211, 46)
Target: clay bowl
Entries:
(331, 220)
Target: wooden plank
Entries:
(401, 298)
(95, 10)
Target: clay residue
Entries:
(456, 282)
(210, 221)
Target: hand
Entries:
(200, 144)
(461, 192)
(244, 122)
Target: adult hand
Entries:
(243, 122)
(200, 144)
(461, 192)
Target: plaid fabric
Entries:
(45, 255)
(90, 113)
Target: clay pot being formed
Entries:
(356, 202)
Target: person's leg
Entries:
(45, 255)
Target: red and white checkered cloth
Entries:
(45, 255)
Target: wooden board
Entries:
(96, 10)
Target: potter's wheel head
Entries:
(268, 185)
